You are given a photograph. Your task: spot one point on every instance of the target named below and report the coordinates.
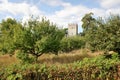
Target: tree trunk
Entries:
(37, 56)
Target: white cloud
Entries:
(3, 1)
(8, 17)
(69, 13)
(74, 14)
(55, 3)
(9, 9)
(71, 10)
(113, 11)
(98, 12)
(110, 3)
(18, 8)
(52, 2)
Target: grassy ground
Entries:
(67, 57)
(7, 60)
(53, 59)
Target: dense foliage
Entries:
(36, 37)
(99, 68)
(71, 43)
(10, 31)
(102, 34)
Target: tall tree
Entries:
(89, 28)
(104, 35)
(7, 40)
(36, 37)
(88, 22)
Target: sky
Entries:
(60, 12)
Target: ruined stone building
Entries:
(72, 29)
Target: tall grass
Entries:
(75, 55)
(6, 60)
(50, 58)
(98, 68)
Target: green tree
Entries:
(104, 34)
(112, 28)
(8, 30)
(88, 22)
(89, 29)
(71, 43)
(35, 38)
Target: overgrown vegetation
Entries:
(102, 34)
(38, 37)
(71, 43)
(99, 68)
(35, 38)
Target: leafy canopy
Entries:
(102, 34)
(36, 37)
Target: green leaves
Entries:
(7, 35)
(88, 22)
(36, 37)
(70, 43)
(102, 34)
(87, 69)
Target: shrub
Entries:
(71, 43)
(98, 68)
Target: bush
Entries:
(25, 58)
(102, 34)
(98, 68)
(71, 43)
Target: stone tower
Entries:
(72, 29)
